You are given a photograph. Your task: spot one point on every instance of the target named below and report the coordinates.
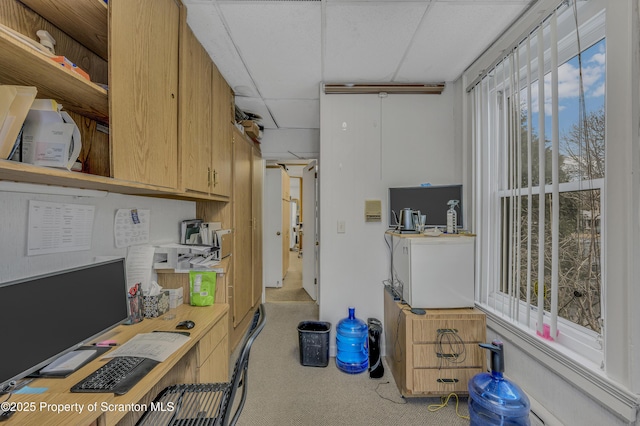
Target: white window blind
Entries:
(538, 131)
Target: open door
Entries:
(273, 232)
(309, 230)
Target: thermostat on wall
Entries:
(372, 211)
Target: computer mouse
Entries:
(185, 325)
(5, 414)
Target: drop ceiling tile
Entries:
(453, 35)
(295, 113)
(280, 44)
(208, 28)
(365, 41)
(257, 106)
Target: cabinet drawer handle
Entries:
(447, 330)
(441, 355)
(447, 380)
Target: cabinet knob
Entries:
(278, 233)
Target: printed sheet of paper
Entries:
(131, 227)
(139, 265)
(56, 227)
(157, 346)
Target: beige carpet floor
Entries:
(291, 290)
(283, 392)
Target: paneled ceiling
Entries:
(275, 54)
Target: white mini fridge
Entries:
(435, 272)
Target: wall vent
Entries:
(408, 88)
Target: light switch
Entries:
(341, 227)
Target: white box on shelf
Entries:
(50, 137)
(176, 297)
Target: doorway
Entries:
(299, 210)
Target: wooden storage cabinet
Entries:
(117, 44)
(205, 131)
(213, 354)
(244, 293)
(221, 158)
(257, 173)
(22, 65)
(243, 225)
(143, 90)
(436, 353)
(141, 103)
(196, 141)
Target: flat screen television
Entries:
(49, 315)
(430, 200)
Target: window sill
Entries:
(591, 381)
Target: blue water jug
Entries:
(494, 400)
(351, 337)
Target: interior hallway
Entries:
(291, 290)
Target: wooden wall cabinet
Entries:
(135, 48)
(196, 136)
(419, 351)
(170, 115)
(143, 90)
(244, 294)
(221, 160)
(205, 131)
(257, 173)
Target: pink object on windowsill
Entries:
(546, 333)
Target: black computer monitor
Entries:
(47, 316)
(430, 200)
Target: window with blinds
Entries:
(538, 132)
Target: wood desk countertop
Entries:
(58, 406)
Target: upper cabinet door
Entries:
(196, 138)
(143, 90)
(222, 136)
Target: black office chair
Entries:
(208, 403)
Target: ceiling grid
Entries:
(276, 53)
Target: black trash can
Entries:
(376, 369)
(313, 338)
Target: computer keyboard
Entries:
(117, 376)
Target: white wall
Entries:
(368, 144)
(290, 144)
(14, 209)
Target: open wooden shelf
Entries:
(25, 66)
(28, 173)
(85, 21)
